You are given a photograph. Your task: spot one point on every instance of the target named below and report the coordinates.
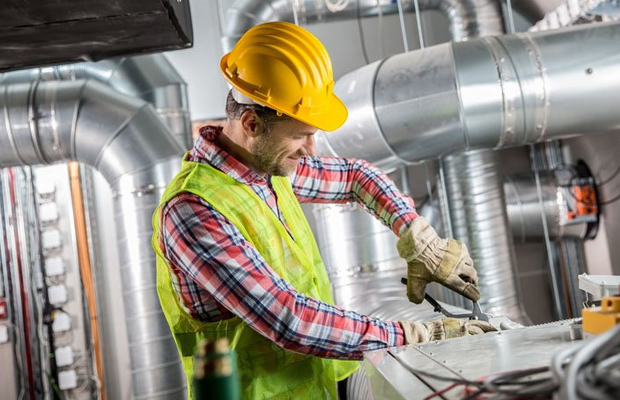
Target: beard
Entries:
(268, 159)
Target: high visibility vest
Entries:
(266, 370)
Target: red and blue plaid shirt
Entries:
(217, 274)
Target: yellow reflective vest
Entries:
(266, 370)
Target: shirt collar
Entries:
(206, 151)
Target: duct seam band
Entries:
(143, 315)
(152, 396)
(156, 366)
(152, 340)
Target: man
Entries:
(236, 257)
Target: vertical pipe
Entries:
(86, 268)
(476, 205)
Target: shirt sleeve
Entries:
(209, 249)
(343, 180)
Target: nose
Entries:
(308, 147)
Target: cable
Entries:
(361, 31)
(609, 178)
(440, 392)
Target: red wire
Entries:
(442, 391)
(23, 295)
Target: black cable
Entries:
(361, 30)
(610, 178)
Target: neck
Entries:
(233, 141)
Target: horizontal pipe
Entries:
(465, 18)
(151, 78)
(492, 93)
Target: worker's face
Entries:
(278, 151)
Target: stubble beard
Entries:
(265, 159)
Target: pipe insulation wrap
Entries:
(122, 137)
(492, 92)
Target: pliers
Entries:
(476, 313)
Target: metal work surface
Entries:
(471, 358)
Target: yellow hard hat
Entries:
(283, 66)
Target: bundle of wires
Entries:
(589, 370)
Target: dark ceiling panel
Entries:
(36, 33)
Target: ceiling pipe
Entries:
(123, 138)
(465, 18)
(151, 78)
(491, 92)
(535, 10)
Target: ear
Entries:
(251, 123)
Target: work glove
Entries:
(433, 259)
(444, 328)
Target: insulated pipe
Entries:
(465, 18)
(123, 138)
(491, 92)
(149, 77)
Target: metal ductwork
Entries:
(524, 209)
(535, 10)
(123, 138)
(36, 33)
(465, 18)
(487, 93)
(476, 214)
(151, 78)
(492, 93)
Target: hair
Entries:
(269, 116)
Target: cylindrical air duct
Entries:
(476, 206)
(524, 213)
(149, 77)
(123, 138)
(465, 18)
(491, 92)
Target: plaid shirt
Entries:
(217, 274)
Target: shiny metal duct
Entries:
(123, 138)
(150, 77)
(492, 92)
(465, 18)
(535, 10)
(476, 210)
(524, 214)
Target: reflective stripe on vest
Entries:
(266, 370)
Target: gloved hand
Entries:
(433, 259)
(444, 328)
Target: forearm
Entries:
(342, 180)
(210, 250)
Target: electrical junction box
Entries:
(600, 286)
(64, 356)
(48, 213)
(62, 322)
(57, 294)
(67, 380)
(4, 334)
(51, 239)
(54, 266)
